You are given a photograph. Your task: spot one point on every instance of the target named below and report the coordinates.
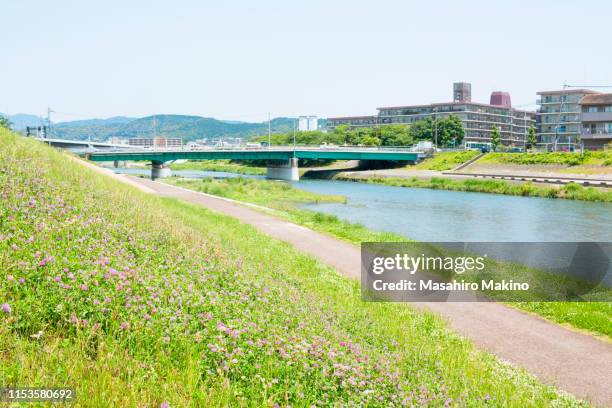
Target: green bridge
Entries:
(282, 161)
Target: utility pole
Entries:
(293, 134)
(269, 131)
(435, 130)
(47, 133)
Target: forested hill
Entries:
(186, 127)
(183, 126)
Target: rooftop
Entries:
(452, 103)
(567, 91)
(597, 99)
(352, 117)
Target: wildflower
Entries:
(84, 287)
(6, 308)
(107, 300)
(124, 325)
(57, 279)
(22, 280)
(147, 316)
(164, 404)
(10, 278)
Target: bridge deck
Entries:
(161, 156)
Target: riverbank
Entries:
(220, 165)
(593, 317)
(158, 301)
(570, 191)
(284, 201)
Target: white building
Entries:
(308, 123)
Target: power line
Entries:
(586, 86)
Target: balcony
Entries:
(596, 134)
(597, 116)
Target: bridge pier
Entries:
(160, 170)
(283, 170)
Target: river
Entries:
(439, 215)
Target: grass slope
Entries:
(138, 300)
(446, 160)
(599, 158)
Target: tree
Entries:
(531, 138)
(495, 137)
(450, 131)
(422, 129)
(370, 141)
(5, 123)
(395, 135)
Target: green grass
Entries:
(446, 160)
(594, 317)
(595, 158)
(219, 165)
(286, 200)
(136, 300)
(570, 191)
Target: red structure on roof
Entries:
(499, 98)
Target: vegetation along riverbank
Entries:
(594, 317)
(571, 191)
(147, 301)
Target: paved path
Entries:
(574, 362)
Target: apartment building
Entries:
(596, 119)
(478, 118)
(156, 142)
(559, 118)
(306, 123)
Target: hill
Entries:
(183, 126)
(22, 120)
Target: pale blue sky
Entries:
(238, 60)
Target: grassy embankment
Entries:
(219, 165)
(594, 317)
(589, 162)
(445, 160)
(571, 191)
(139, 300)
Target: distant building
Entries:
(559, 118)
(596, 118)
(117, 140)
(306, 123)
(478, 118)
(157, 142)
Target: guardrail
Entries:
(411, 149)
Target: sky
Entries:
(239, 60)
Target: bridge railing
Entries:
(267, 148)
